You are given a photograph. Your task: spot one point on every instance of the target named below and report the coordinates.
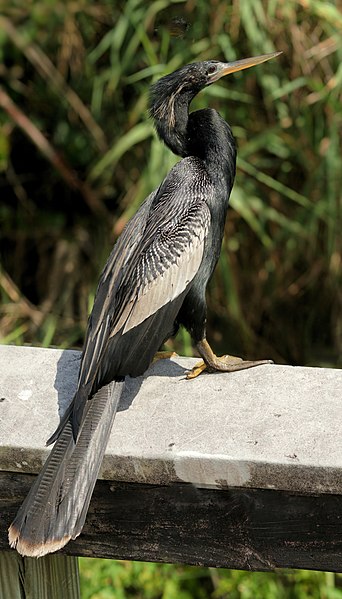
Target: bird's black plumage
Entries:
(154, 281)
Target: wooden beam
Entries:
(241, 470)
(51, 577)
(271, 427)
(247, 529)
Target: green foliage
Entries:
(109, 579)
(79, 73)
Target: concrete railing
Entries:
(239, 470)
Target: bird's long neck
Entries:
(170, 117)
(202, 133)
(210, 138)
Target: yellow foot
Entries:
(201, 366)
(163, 355)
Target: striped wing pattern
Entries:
(153, 262)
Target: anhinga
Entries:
(154, 281)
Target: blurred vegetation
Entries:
(105, 579)
(78, 155)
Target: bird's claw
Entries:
(196, 370)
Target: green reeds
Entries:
(78, 167)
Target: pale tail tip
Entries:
(27, 549)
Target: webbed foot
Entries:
(226, 363)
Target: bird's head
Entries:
(187, 81)
(171, 95)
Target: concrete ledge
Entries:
(271, 427)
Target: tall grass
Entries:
(286, 220)
(86, 156)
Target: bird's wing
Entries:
(99, 322)
(153, 262)
(169, 258)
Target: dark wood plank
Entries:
(235, 528)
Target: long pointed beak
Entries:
(226, 68)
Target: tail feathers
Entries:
(55, 509)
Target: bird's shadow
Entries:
(67, 375)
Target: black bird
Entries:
(154, 281)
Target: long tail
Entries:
(55, 509)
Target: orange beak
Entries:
(225, 68)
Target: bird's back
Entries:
(161, 247)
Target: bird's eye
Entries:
(211, 70)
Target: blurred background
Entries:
(78, 155)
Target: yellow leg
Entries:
(226, 363)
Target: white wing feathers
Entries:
(176, 266)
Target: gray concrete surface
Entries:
(273, 427)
